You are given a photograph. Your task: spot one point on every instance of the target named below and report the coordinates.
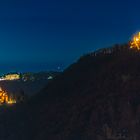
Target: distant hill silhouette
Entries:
(96, 98)
(31, 83)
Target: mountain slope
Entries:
(98, 93)
(96, 98)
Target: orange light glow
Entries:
(4, 98)
(135, 43)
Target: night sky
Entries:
(44, 35)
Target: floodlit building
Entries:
(12, 77)
(3, 96)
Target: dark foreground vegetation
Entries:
(97, 98)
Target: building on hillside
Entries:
(12, 77)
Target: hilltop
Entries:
(97, 94)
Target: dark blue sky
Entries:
(42, 35)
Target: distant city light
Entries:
(50, 78)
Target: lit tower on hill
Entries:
(135, 42)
